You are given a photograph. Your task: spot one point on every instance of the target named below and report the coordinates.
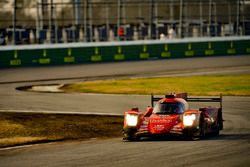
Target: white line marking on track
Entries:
(59, 112)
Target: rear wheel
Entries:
(202, 126)
(219, 125)
(220, 120)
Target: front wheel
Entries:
(196, 134)
(129, 135)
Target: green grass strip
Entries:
(231, 85)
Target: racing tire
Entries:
(189, 135)
(134, 138)
(216, 133)
(129, 135)
(219, 125)
(131, 138)
(220, 120)
(193, 136)
(202, 127)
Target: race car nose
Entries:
(157, 126)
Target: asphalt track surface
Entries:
(231, 148)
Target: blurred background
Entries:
(63, 21)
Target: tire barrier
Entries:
(79, 53)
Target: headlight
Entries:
(188, 120)
(131, 120)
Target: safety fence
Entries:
(66, 21)
(79, 53)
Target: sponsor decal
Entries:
(97, 56)
(144, 54)
(69, 58)
(16, 61)
(189, 52)
(231, 50)
(166, 52)
(44, 59)
(209, 51)
(160, 121)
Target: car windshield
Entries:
(169, 108)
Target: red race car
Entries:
(172, 116)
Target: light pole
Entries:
(14, 22)
(85, 20)
(119, 18)
(90, 20)
(238, 17)
(152, 18)
(50, 21)
(201, 18)
(181, 19)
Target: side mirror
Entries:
(135, 109)
(148, 112)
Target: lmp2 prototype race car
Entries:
(171, 116)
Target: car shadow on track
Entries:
(242, 136)
(230, 136)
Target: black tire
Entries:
(197, 135)
(129, 135)
(219, 125)
(216, 133)
(189, 135)
(220, 120)
(202, 127)
(131, 138)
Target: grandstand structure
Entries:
(64, 21)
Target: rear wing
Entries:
(189, 99)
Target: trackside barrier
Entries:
(78, 53)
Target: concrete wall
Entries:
(79, 53)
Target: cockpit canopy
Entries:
(169, 108)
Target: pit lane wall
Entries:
(79, 53)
